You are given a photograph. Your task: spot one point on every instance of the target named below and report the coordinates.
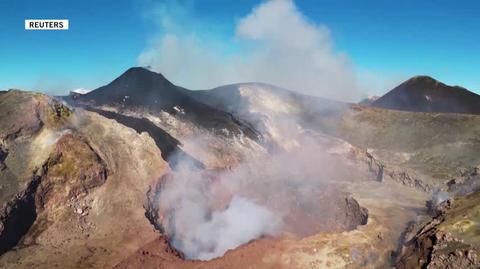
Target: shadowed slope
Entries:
(425, 94)
(167, 144)
(139, 88)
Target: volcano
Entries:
(425, 94)
(141, 89)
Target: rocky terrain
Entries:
(77, 187)
(448, 240)
(142, 173)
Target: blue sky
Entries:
(388, 40)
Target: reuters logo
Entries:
(46, 25)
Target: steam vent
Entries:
(267, 134)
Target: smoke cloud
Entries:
(275, 43)
(294, 191)
(206, 218)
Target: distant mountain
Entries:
(425, 94)
(142, 89)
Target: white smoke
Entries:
(239, 223)
(277, 45)
(205, 219)
(206, 213)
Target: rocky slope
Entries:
(29, 122)
(152, 99)
(80, 203)
(275, 112)
(435, 147)
(448, 240)
(425, 94)
(141, 89)
(426, 148)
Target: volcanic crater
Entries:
(291, 208)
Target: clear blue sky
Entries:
(399, 38)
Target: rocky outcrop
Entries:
(152, 210)
(432, 248)
(71, 171)
(155, 254)
(17, 215)
(3, 156)
(355, 214)
(23, 114)
(375, 166)
(22, 117)
(19, 114)
(88, 203)
(382, 171)
(448, 240)
(407, 179)
(466, 183)
(168, 145)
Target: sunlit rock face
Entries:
(58, 203)
(447, 240)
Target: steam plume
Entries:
(206, 213)
(277, 45)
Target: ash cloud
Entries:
(275, 43)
